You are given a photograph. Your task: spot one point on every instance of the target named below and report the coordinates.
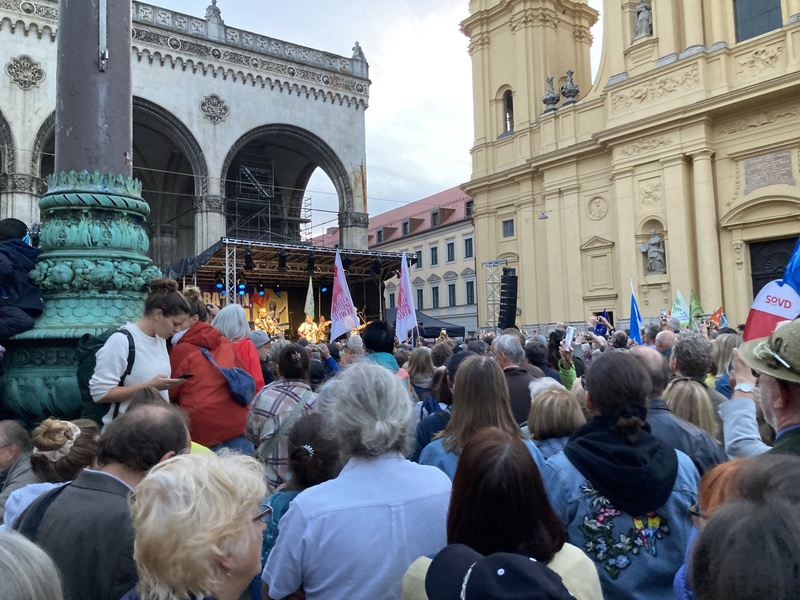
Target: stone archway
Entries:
(8, 149)
(283, 157)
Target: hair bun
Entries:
(163, 284)
(52, 434)
(191, 292)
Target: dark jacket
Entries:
(787, 442)
(518, 381)
(17, 259)
(427, 428)
(681, 435)
(88, 533)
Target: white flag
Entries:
(343, 313)
(680, 309)
(310, 300)
(406, 315)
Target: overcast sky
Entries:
(419, 120)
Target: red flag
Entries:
(716, 318)
(775, 303)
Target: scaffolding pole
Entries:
(493, 270)
(230, 274)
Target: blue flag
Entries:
(600, 330)
(792, 273)
(636, 319)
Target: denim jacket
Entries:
(636, 556)
(435, 455)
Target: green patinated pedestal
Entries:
(93, 272)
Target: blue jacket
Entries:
(384, 359)
(551, 446)
(435, 455)
(637, 558)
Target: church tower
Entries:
(515, 46)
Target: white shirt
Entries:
(354, 536)
(112, 361)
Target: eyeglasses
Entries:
(265, 515)
(697, 516)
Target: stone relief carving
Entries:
(654, 251)
(582, 35)
(650, 193)
(534, 16)
(737, 249)
(214, 109)
(644, 20)
(25, 72)
(94, 275)
(208, 204)
(760, 119)
(353, 219)
(597, 208)
(645, 145)
(655, 88)
(73, 229)
(479, 42)
(760, 60)
(18, 182)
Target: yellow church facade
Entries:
(677, 169)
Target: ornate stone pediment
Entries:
(450, 276)
(597, 242)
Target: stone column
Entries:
(555, 258)
(573, 284)
(354, 220)
(719, 19)
(93, 267)
(693, 27)
(19, 197)
(164, 244)
(664, 28)
(629, 255)
(209, 221)
(679, 256)
(705, 207)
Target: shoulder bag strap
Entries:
(265, 450)
(29, 521)
(131, 359)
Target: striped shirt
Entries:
(271, 405)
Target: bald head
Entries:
(665, 340)
(655, 365)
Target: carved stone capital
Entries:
(209, 204)
(353, 219)
(18, 182)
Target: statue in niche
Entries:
(653, 249)
(213, 13)
(644, 20)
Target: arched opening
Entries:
(170, 164)
(266, 175)
(508, 112)
(8, 156)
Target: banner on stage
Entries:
(343, 312)
(251, 302)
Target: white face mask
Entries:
(177, 337)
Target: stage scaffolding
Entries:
(493, 271)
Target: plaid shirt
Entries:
(271, 405)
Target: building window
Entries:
(435, 218)
(451, 251)
(508, 111)
(435, 297)
(418, 252)
(470, 292)
(420, 296)
(508, 228)
(451, 294)
(434, 255)
(468, 250)
(379, 236)
(405, 228)
(754, 17)
(470, 208)
(391, 301)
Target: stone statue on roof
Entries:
(213, 13)
(358, 53)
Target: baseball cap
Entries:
(460, 573)
(777, 355)
(258, 337)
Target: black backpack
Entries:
(86, 353)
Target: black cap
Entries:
(454, 360)
(460, 573)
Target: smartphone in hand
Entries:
(569, 336)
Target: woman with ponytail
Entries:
(623, 495)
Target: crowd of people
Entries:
(231, 464)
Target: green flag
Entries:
(695, 310)
(680, 310)
(310, 300)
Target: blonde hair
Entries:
(62, 449)
(688, 399)
(480, 399)
(420, 364)
(190, 511)
(554, 413)
(722, 352)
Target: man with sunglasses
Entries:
(777, 361)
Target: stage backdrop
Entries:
(276, 304)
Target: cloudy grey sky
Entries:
(419, 121)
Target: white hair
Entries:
(231, 322)
(510, 346)
(26, 571)
(368, 408)
(537, 386)
(355, 344)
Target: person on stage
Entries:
(308, 330)
(321, 329)
(265, 322)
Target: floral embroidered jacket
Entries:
(636, 556)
